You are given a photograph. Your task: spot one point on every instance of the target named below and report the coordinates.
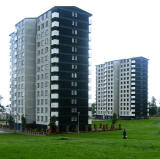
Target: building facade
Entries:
(58, 74)
(122, 88)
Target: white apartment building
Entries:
(118, 87)
(22, 82)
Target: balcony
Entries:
(54, 60)
(55, 24)
(90, 121)
(54, 114)
(55, 42)
(132, 101)
(54, 105)
(57, 123)
(55, 51)
(54, 69)
(55, 33)
(55, 15)
(54, 87)
(54, 78)
(89, 113)
(54, 96)
(90, 21)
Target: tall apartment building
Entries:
(55, 62)
(22, 52)
(122, 88)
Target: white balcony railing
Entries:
(55, 42)
(55, 24)
(55, 51)
(54, 60)
(54, 78)
(54, 105)
(54, 87)
(54, 69)
(54, 96)
(54, 114)
(55, 15)
(55, 33)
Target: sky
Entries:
(120, 29)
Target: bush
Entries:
(114, 118)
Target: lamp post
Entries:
(78, 122)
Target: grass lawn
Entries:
(143, 143)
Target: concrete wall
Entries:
(30, 68)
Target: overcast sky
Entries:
(121, 29)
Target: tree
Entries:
(114, 118)
(11, 121)
(23, 119)
(152, 107)
(93, 108)
(52, 123)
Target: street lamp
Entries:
(78, 122)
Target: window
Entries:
(74, 84)
(74, 118)
(73, 101)
(46, 92)
(74, 75)
(42, 26)
(46, 49)
(46, 101)
(74, 110)
(42, 93)
(74, 92)
(46, 23)
(46, 118)
(46, 83)
(74, 58)
(46, 110)
(38, 111)
(38, 27)
(74, 67)
(41, 110)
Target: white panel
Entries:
(57, 123)
(54, 114)
(54, 60)
(54, 78)
(55, 24)
(55, 15)
(54, 105)
(55, 33)
(54, 87)
(55, 42)
(89, 113)
(54, 69)
(54, 96)
(55, 51)
(90, 105)
(89, 121)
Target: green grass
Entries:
(143, 142)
